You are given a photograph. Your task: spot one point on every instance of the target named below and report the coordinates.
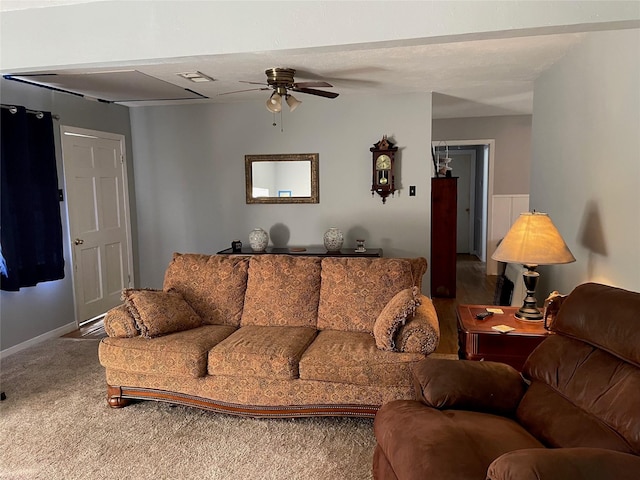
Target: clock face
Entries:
(383, 162)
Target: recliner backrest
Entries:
(585, 380)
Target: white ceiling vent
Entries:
(196, 77)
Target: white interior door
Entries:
(99, 226)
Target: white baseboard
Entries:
(58, 332)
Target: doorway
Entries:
(96, 188)
(472, 163)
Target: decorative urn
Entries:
(333, 239)
(258, 239)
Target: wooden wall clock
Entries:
(383, 160)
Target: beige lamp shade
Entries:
(274, 103)
(533, 240)
(293, 102)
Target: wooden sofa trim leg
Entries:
(115, 399)
(119, 397)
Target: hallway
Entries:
(473, 286)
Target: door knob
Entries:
(78, 241)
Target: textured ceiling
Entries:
(473, 78)
(477, 58)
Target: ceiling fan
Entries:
(281, 81)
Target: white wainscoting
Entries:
(505, 209)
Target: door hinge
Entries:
(122, 159)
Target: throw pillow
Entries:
(157, 312)
(214, 285)
(354, 290)
(394, 314)
(118, 322)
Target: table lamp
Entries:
(532, 240)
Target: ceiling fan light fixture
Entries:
(292, 101)
(274, 103)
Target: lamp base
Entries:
(529, 314)
(529, 310)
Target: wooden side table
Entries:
(478, 341)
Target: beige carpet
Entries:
(55, 424)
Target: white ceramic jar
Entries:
(333, 239)
(258, 239)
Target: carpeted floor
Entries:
(55, 424)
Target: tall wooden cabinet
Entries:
(444, 195)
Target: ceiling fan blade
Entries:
(252, 83)
(320, 93)
(247, 90)
(311, 84)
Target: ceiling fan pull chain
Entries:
(281, 126)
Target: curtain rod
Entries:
(14, 109)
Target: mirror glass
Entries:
(287, 178)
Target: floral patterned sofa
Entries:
(272, 335)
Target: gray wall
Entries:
(586, 160)
(189, 163)
(512, 134)
(189, 182)
(48, 306)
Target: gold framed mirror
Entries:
(282, 178)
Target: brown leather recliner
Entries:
(576, 414)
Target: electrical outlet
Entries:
(412, 191)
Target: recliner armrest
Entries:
(561, 463)
(468, 385)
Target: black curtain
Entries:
(30, 224)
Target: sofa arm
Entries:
(468, 385)
(118, 322)
(561, 463)
(421, 333)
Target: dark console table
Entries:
(312, 251)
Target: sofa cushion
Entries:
(157, 312)
(118, 322)
(282, 290)
(395, 313)
(178, 354)
(259, 351)
(352, 357)
(418, 269)
(214, 285)
(355, 290)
